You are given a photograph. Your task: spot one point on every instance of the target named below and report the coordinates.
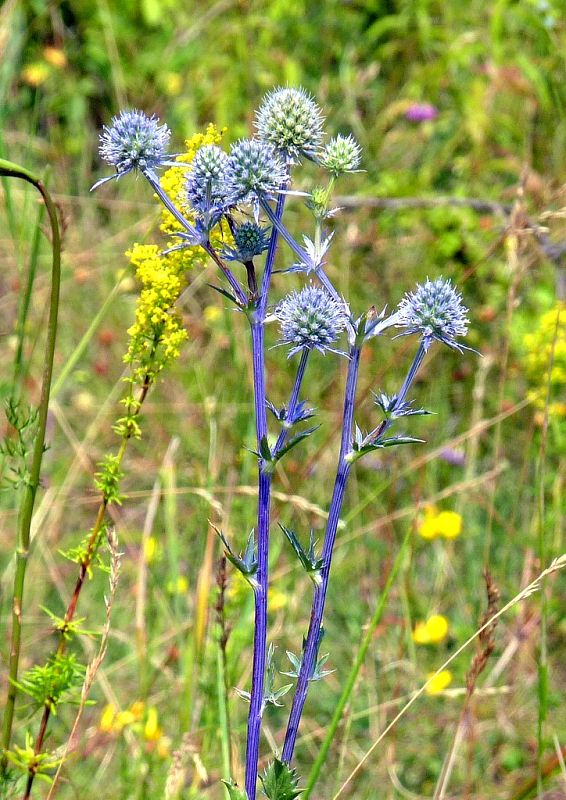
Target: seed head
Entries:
(250, 240)
(253, 169)
(310, 319)
(204, 186)
(134, 141)
(435, 311)
(341, 154)
(291, 121)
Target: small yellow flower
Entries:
(440, 523)
(150, 549)
(449, 524)
(276, 599)
(35, 74)
(55, 56)
(151, 730)
(136, 709)
(172, 83)
(106, 724)
(427, 527)
(433, 631)
(212, 313)
(180, 586)
(438, 683)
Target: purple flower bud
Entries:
(421, 112)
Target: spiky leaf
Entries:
(280, 781)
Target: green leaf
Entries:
(309, 561)
(294, 441)
(280, 781)
(234, 792)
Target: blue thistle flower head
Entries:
(310, 319)
(253, 169)
(204, 186)
(250, 240)
(291, 121)
(341, 154)
(134, 141)
(434, 311)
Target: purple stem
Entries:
(310, 650)
(376, 433)
(264, 501)
(293, 400)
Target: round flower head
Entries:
(253, 169)
(291, 121)
(250, 240)
(310, 319)
(435, 311)
(341, 154)
(133, 141)
(204, 186)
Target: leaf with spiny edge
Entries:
(245, 562)
(309, 561)
(280, 781)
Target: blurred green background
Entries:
(495, 75)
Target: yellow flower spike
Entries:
(151, 730)
(439, 682)
(449, 524)
(433, 631)
(106, 724)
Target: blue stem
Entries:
(378, 432)
(310, 649)
(293, 400)
(264, 501)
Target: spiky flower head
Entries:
(204, 186)
(291, 121)
(310, 319)
(435, 311)
(341, 154)
(134, 141)
(250, 240)
(253, 169)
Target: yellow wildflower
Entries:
(427, 526)
(149, 549)
(433, 631)
(151, 730)
(212, 313)
(172, 83)
(55, 56)
(106, 724)
(180, 586)
(443, 523)
(439, 682)
(35, 74)
(548, 337)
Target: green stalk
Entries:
(354, 671)
(11, 170)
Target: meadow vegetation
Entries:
(460, 112)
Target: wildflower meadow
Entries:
(282, 440)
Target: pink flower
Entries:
(421, 112)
